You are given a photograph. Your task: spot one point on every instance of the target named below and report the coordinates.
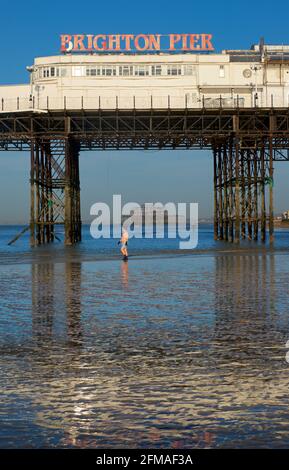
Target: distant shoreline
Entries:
(85, 224)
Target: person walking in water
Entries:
(123, 244)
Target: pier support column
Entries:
(216, 218)
(41, 213)
(271, 183)
(256, 215)
(72, 193)
(243, 196)
(231, 193)
(262, 193)
(220, 192)
(32, 194)
(55, 190)
(226, 202)
(243, 179)
(237, 192)
(249, 194)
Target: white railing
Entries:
(44, 103)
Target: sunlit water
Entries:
(168, 350)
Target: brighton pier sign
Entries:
(136, 43)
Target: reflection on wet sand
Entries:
(42, 301)
(124, 274)
(46, 305)
(183, 353)
(244, 289)
(73, 302)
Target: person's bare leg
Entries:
(124, 252)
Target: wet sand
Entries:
(168, 350)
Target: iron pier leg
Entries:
(55, 190)
(216, 215)
(262, 190)
(37, 194)
(42, 214)
(220, 192)
(237, 192)
(225, 161)
(271, 181)
(240, 179)
(243, 194)
(72, 193)
(255, 205)
(249, 195)
(231, 194)
(32, 194)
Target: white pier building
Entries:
(233, 78)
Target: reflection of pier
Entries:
(73, 302)
(56, 312)
(245, 301)
(43, 307)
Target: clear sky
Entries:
(32, 28)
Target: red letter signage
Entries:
(136, 43)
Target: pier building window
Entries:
(61, 71)
(111, 70)
(156, 70)
(222, 71)
(174, 70)
(78, 71)
(47, 72)
(125, 70)
(93, 71)
(108, 70)
(141, 70)
(189, 69)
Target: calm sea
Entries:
(172, 349)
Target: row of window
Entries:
(116, 70)
(47, 72)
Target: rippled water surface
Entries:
(169, 350)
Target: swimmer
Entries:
(123, 243)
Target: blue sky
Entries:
(32, 28)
